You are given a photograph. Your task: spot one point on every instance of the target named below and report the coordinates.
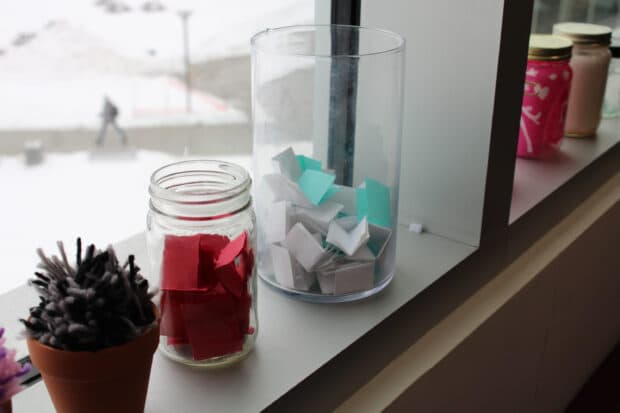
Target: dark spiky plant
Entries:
(93, 305)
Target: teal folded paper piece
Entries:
(315, 184)
(373, 202)
(306, 163)
(361, 202)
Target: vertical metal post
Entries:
(184, 15)
(591, 11)
(343, 93)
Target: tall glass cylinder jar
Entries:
(201, 241)
(327, 113)
(590, 64)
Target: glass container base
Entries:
(183, 355)
(316, 297)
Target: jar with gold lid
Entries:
(590, 64)
(547, 84)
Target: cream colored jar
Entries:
(590, 64)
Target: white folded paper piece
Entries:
(289, 272)
(351, 241)
(319, 217)
(278, 222)
(304, 247)
(286, 163)
(346, 197)
(284, 189)
(340, 278)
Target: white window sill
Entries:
(295, 338)
(535, 180)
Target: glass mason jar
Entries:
(590, 63)
(611, 104)
(201, 241)
(547, 83)
(327, 116)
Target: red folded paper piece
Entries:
(209, 306)
(245, 267)
(180, 263)
(212, 326)
(232, 280)
(172, 323)
(231, 251)
(177, 341)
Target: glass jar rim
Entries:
(240, 181)
(400, 40)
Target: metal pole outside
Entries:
(185, 15)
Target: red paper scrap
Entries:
(180, 263)
(231, 279)
(213, 243)
(172, 323)
(245, 266)
(211, 246)
(205, 299)
(177, 341)
(211, 331)
(231, 251)
(244, 315)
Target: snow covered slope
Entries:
(58, 59)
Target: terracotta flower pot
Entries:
(110, 380)
(6, 407)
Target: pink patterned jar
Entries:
(545, 98)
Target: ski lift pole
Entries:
(185, 15)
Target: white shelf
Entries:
(295, 338)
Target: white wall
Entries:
(451, 65)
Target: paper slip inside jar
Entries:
(288, 271)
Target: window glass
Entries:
(567, 113)
(97, 94)
(548, 12)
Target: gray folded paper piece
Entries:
(345, 196)
(363, 254)
(379, 238)
(347, 223)
(278, 220)
(286, 163)
(346, 277)
(288, 271)
(319, 217)
(326, 282)
(284, 189)
(304, 247)
(378, 243)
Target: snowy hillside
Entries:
(58, 59)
